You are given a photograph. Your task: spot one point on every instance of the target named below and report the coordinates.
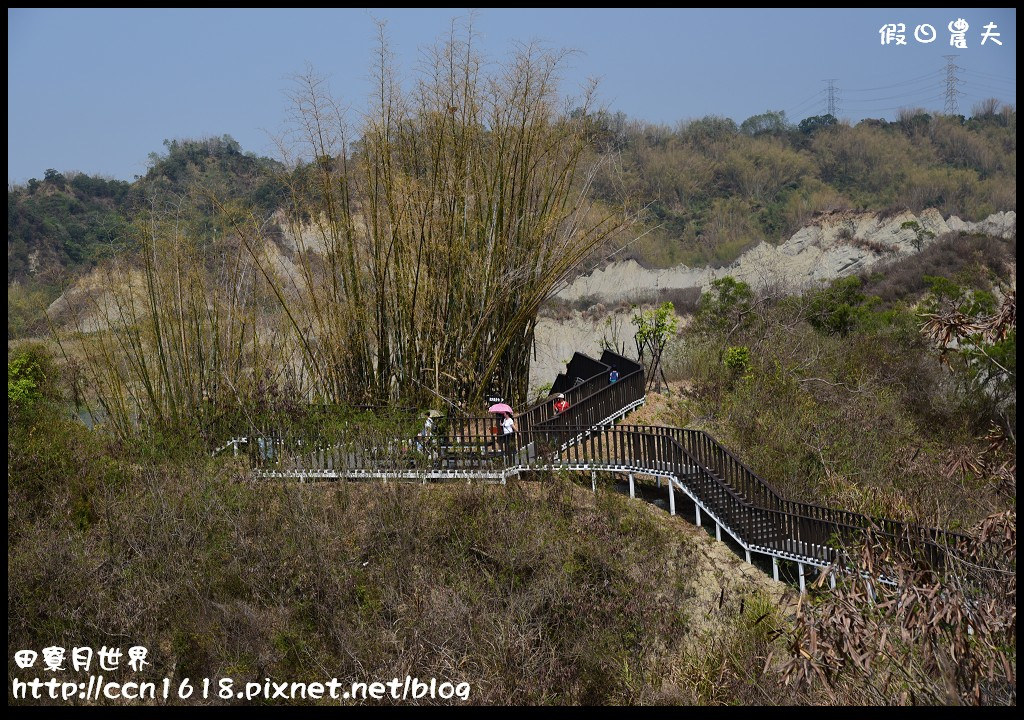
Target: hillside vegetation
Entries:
(532, 593)
(713, 188)
(535, 592)
(707, 189)
(62, 226)
(837, 397)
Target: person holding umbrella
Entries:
(508, 424)
(508, 427)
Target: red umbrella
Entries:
(499, 408)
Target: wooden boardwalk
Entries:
(585, 439)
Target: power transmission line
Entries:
(905, 95)
(900, 107)
(918, 90)
(805, 104)
(1002, 78)
(805, 101)
(952, 107)
(911, 81)
(970, 84)
(831, 106)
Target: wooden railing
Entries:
(741, 501)
(738, 499)
(587, 401)
(592, 404)
(464, 443)
(808, 522)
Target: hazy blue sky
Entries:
(98, 90)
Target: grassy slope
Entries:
(533, 593)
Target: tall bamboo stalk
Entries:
(423, 251)
(444, 229)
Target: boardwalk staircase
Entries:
(586, 438)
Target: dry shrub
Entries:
(923, 637)
(879, 248)
(973, 256)
(684, 300)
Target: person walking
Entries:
(508, 428)
(423, 436)
(561, 404)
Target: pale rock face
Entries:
(1001, 224)
(90, 305)
(931, 219)
(311, 237)
(837, 244)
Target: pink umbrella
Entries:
(499, 408)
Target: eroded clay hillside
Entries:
(835, 245)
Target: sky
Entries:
(97, 91)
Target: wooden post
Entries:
(671, 498)
(718, 532)
(802, 584)
(745, 550)
(632, 489)
(593, 481)
(775, 568)
(697, 507)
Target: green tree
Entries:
(31, 383)
(770, 121)
(53, 177)
(708, 129)
(738, 361)
(920, 234)
(837, 309)
(811, 125)
(724, 306)
(654, 329)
